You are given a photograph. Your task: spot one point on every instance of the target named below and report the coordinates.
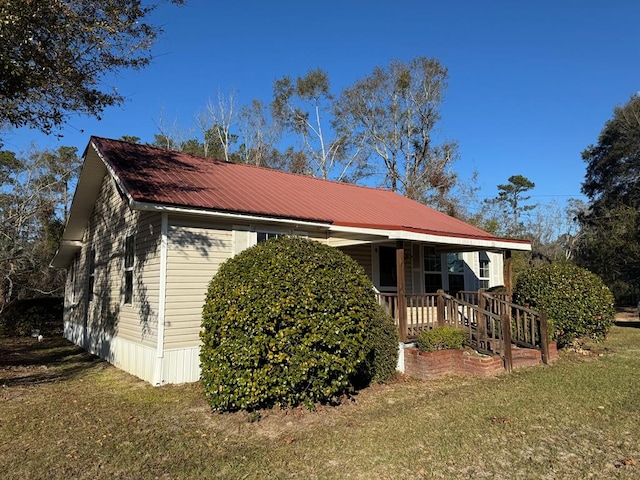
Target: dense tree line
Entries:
(35, 192)
(609, 243)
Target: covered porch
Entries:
(493, 324)
(426, 281)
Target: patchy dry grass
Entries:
(65, 414)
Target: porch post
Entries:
(440, 308)
(544, 336)
(508, 273)
(402, 300)
(482, 320)
(505, 320)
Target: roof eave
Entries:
(91, 176)
(65, 253)
(183, 210)
(466, 241)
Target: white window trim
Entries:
(91, 276)
(269, 235)
(487, 277)
(254, 230)
(73, 278)
(375, 267)
(443, 277)
(125, 269)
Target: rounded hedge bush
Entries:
(577, 302)
(382, 341)
(291, 321)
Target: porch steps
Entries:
(529, 357)
(525, 357)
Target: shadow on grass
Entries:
(627, 324)
(24, 361)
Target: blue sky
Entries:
(530, 83)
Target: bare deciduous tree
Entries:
(393, 111)
(257, 133)
(34, 197)
(303, 107)
(223, 116)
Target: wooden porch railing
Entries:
(492, 323)
(426, 311)
(529, 328)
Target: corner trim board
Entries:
(162, 293)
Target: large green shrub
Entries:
(577, 302)
(383, 341)
(441, 338)
(291, 321)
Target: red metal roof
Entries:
(157, 176)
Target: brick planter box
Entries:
(430, 365)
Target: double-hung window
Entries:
(72, 279)
(432, 270)
(483, 273)
(129, 260)
(92, 273)
(455, 266)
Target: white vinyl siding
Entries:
(473, 274)
(129, 261)
(194, 254)
(361, 254)
(104, 317)
(496, 265)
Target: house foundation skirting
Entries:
(181, 365)
(133, 358)
(400, 365)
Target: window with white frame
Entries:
(92, 274)
(483, 273)
(455, 267)
(72, 279)
(432, 270)
(129, 260)
(264, 236)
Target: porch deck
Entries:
(493, 324)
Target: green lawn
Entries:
(64, 414)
